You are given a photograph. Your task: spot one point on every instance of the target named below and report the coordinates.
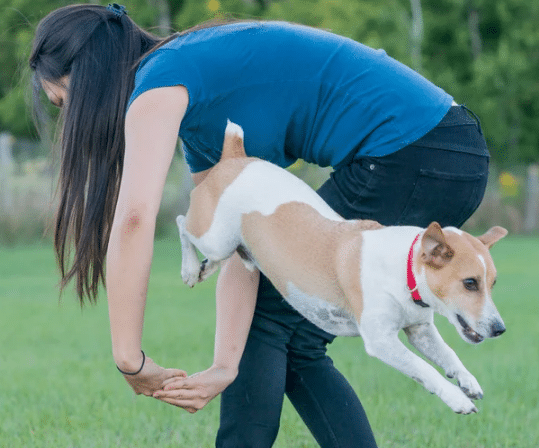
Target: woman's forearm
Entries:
(236, 298)
(128, 268)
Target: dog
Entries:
(348, 277)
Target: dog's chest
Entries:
(328, 317)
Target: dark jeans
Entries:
(286, 353)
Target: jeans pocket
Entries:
(448, 198)
(361, 181)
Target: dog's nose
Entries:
(497, 329)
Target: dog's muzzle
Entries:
(471, 334)
(497, 329)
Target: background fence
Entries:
(27, 194)
(484, 54)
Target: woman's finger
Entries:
(188, 405)
(187, 394)
(175, 373)
(191, 382)
(175, 382)
(173, 376)
(182, 383)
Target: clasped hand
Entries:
(173, 386)
(196, 391)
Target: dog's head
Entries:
(459, 274)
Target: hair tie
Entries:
(117, 10)
(138, 371)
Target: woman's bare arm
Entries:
(235, 299)
(151, 133)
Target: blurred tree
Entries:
(16, 34)
(193, 12)
(417, 34)
(505, 79)
(18, 19)
(485, 54)
(374, 23)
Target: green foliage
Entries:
(505, 82)
(370, 22)
(194, 12)
(495, 75)
(18, 19)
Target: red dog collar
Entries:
(410, 277)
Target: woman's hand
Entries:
(152, 378)
(196, 391)
(235, 299)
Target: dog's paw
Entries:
(469, 385)
(196, 272)
(457, 400)
(190, 278)
(191, 273)
(207, 268)
(466, 408)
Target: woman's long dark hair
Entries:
(98, 51)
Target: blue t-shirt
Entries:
(298, 92)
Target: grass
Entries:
(59, 387)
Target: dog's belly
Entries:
(328, 317)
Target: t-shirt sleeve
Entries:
(164, 68)
(195, 161)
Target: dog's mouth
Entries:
(472, 335)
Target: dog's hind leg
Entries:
(207, 268)
(218, 243)
(191, 266)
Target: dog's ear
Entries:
(492, 236)
(435, 252)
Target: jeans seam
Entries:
(373, 173)
(321, 411)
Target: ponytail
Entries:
(98, 50)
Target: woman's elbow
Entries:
(134, 222)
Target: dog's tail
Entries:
(233, 142)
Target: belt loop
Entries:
(476, 118)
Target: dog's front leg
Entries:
(386, 346)
(427, 340)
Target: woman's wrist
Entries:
(129, 363)
(230, 372)
(123, 372)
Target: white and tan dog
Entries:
(349, 277)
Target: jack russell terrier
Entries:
(348, 277)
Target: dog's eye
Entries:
(471, 284)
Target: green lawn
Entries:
(59, 387)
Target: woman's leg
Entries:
(251, 405)
(319, 392)
(321, 395)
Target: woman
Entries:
(403, 153)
